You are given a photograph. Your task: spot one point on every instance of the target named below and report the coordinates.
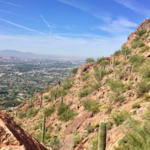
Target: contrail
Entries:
(45, 21)
(21, 26)
(10, 3)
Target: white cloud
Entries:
(134, 5)
(119, 26)
(10, 3)
(86, 45)
(20, 26)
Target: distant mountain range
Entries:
(15, 53)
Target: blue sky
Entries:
(86, 28)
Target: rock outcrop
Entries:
(13, 137)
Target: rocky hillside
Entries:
(114, 89)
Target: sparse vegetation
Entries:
(20, 115)
(31, 112)
(74, 70)
(141, 32)
(100, 74)
(48, 110)
(116, 53)
(91, 105)
(144, 49)
(85, 77)
(136, 60)
(99, 60)
(89, 60)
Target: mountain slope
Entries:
(113, 89)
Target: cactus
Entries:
(31, 104)
(104, 66)
(51, 96)
(130, 68)
(43, 129)
(59, 82)
(102, 136)
(125, 55)
(41, 101)
(114, 63)
(61, 100)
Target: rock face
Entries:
(145, 25)
(13, 137)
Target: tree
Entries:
(74, 70)
(89, 60)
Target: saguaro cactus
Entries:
(41, 101)
(102, 136)
(114, 63)
(130, 68)
(125, 55)
(61, 100)
(43, 129)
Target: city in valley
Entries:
(21, 78)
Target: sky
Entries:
(81, 28)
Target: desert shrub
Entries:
(64, 112)
(119, 118)
(89, 129)
(135, 45)
(137, 38)
(124, 63)
(146, 96)
(116, 53)
(62, 108)
(145, 70)
(117, 98)
(117, 86)
(85, 77)
(141, 32)
(99, 60)
(74, 70)
(84, 93)
(135, 105)
(147, 35)
(117, 63)
(67, 115)
(46, 137)
(54, 143)
(76, 140)
(105, 62)
(20, 115)
(36, 127)
(126, 50)
(142, 87)
(31, 112)
(91, 105)
(144, 49)
(89, 60)
(146, 116)
(137, 139)
(94, 144)
(19, 123)
(136, 60)
(120, 74)
(95, 86)
(109, 71)
(100, 74)
(95, 67)
(59, 92)
(49, 110)
(141, 44)
(46, 97)
(67, 84)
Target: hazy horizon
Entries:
(70, 28)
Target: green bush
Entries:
(62, 108)
(135, 105)
(19, 123)
(89, 60)
(36, 127)
(119, 118)
(20, 115)
(74, 70)
(144, 49)
(76, 140)
(84, 92)
(105, 62)
(117, 86)
(126, 50)
(85, 77)
(141, 44)
(142, 87)
(46, 97)
(54, 143)
(89, 129)
(94, 145)
(95, 67)
(67, 115)
(67, 84)
(99, 60)
(137, 38)
(138, 138)
(141, 32)
(109, 71)
(31, 112)
(49, 110)
(100, 74)
(135, 45)
(91, 105)
(120, 74)
(136, 60)
(145, 70)
(47, 137)
(147, 35)
(116, 53)
(117, 98)
(146, 96)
